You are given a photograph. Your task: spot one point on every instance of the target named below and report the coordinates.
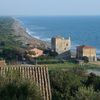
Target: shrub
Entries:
(88, 93)
(14, 87)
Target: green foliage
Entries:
(73, 84)
(88, 93)
(53, 54)
(9, 43)
(94, 81)
(11, 54)
(86, 60)
(31, 53)
(14, 87)
(64, 84)
(5, 25)
(7, 38)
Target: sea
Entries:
(83, 30)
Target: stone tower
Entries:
(60, 44)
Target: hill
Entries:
(12, 35)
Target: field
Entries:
(68, 65)
(65, 65)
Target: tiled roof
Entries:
(35, 49)
(86, 47)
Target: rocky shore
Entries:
(22, 35)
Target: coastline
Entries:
(26, 37)
(31, 33)
(44, 39)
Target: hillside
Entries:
(12, 34)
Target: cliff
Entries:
(11, 33)
(20, 32)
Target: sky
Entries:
(49, 7)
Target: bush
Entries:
(64, 84)
(84, 93)
(72, 85)
(13, 87)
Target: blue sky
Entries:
(49, 7)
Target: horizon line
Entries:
(49, 15)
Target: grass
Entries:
(91, 66)
(68, 65)
(65, 65)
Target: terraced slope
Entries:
(38, 74)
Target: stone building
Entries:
(86, 51)
(60, 45)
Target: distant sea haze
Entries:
(83, 30)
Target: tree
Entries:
(94, 81)
(12, 54)
(86, 59)
(31, 53)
